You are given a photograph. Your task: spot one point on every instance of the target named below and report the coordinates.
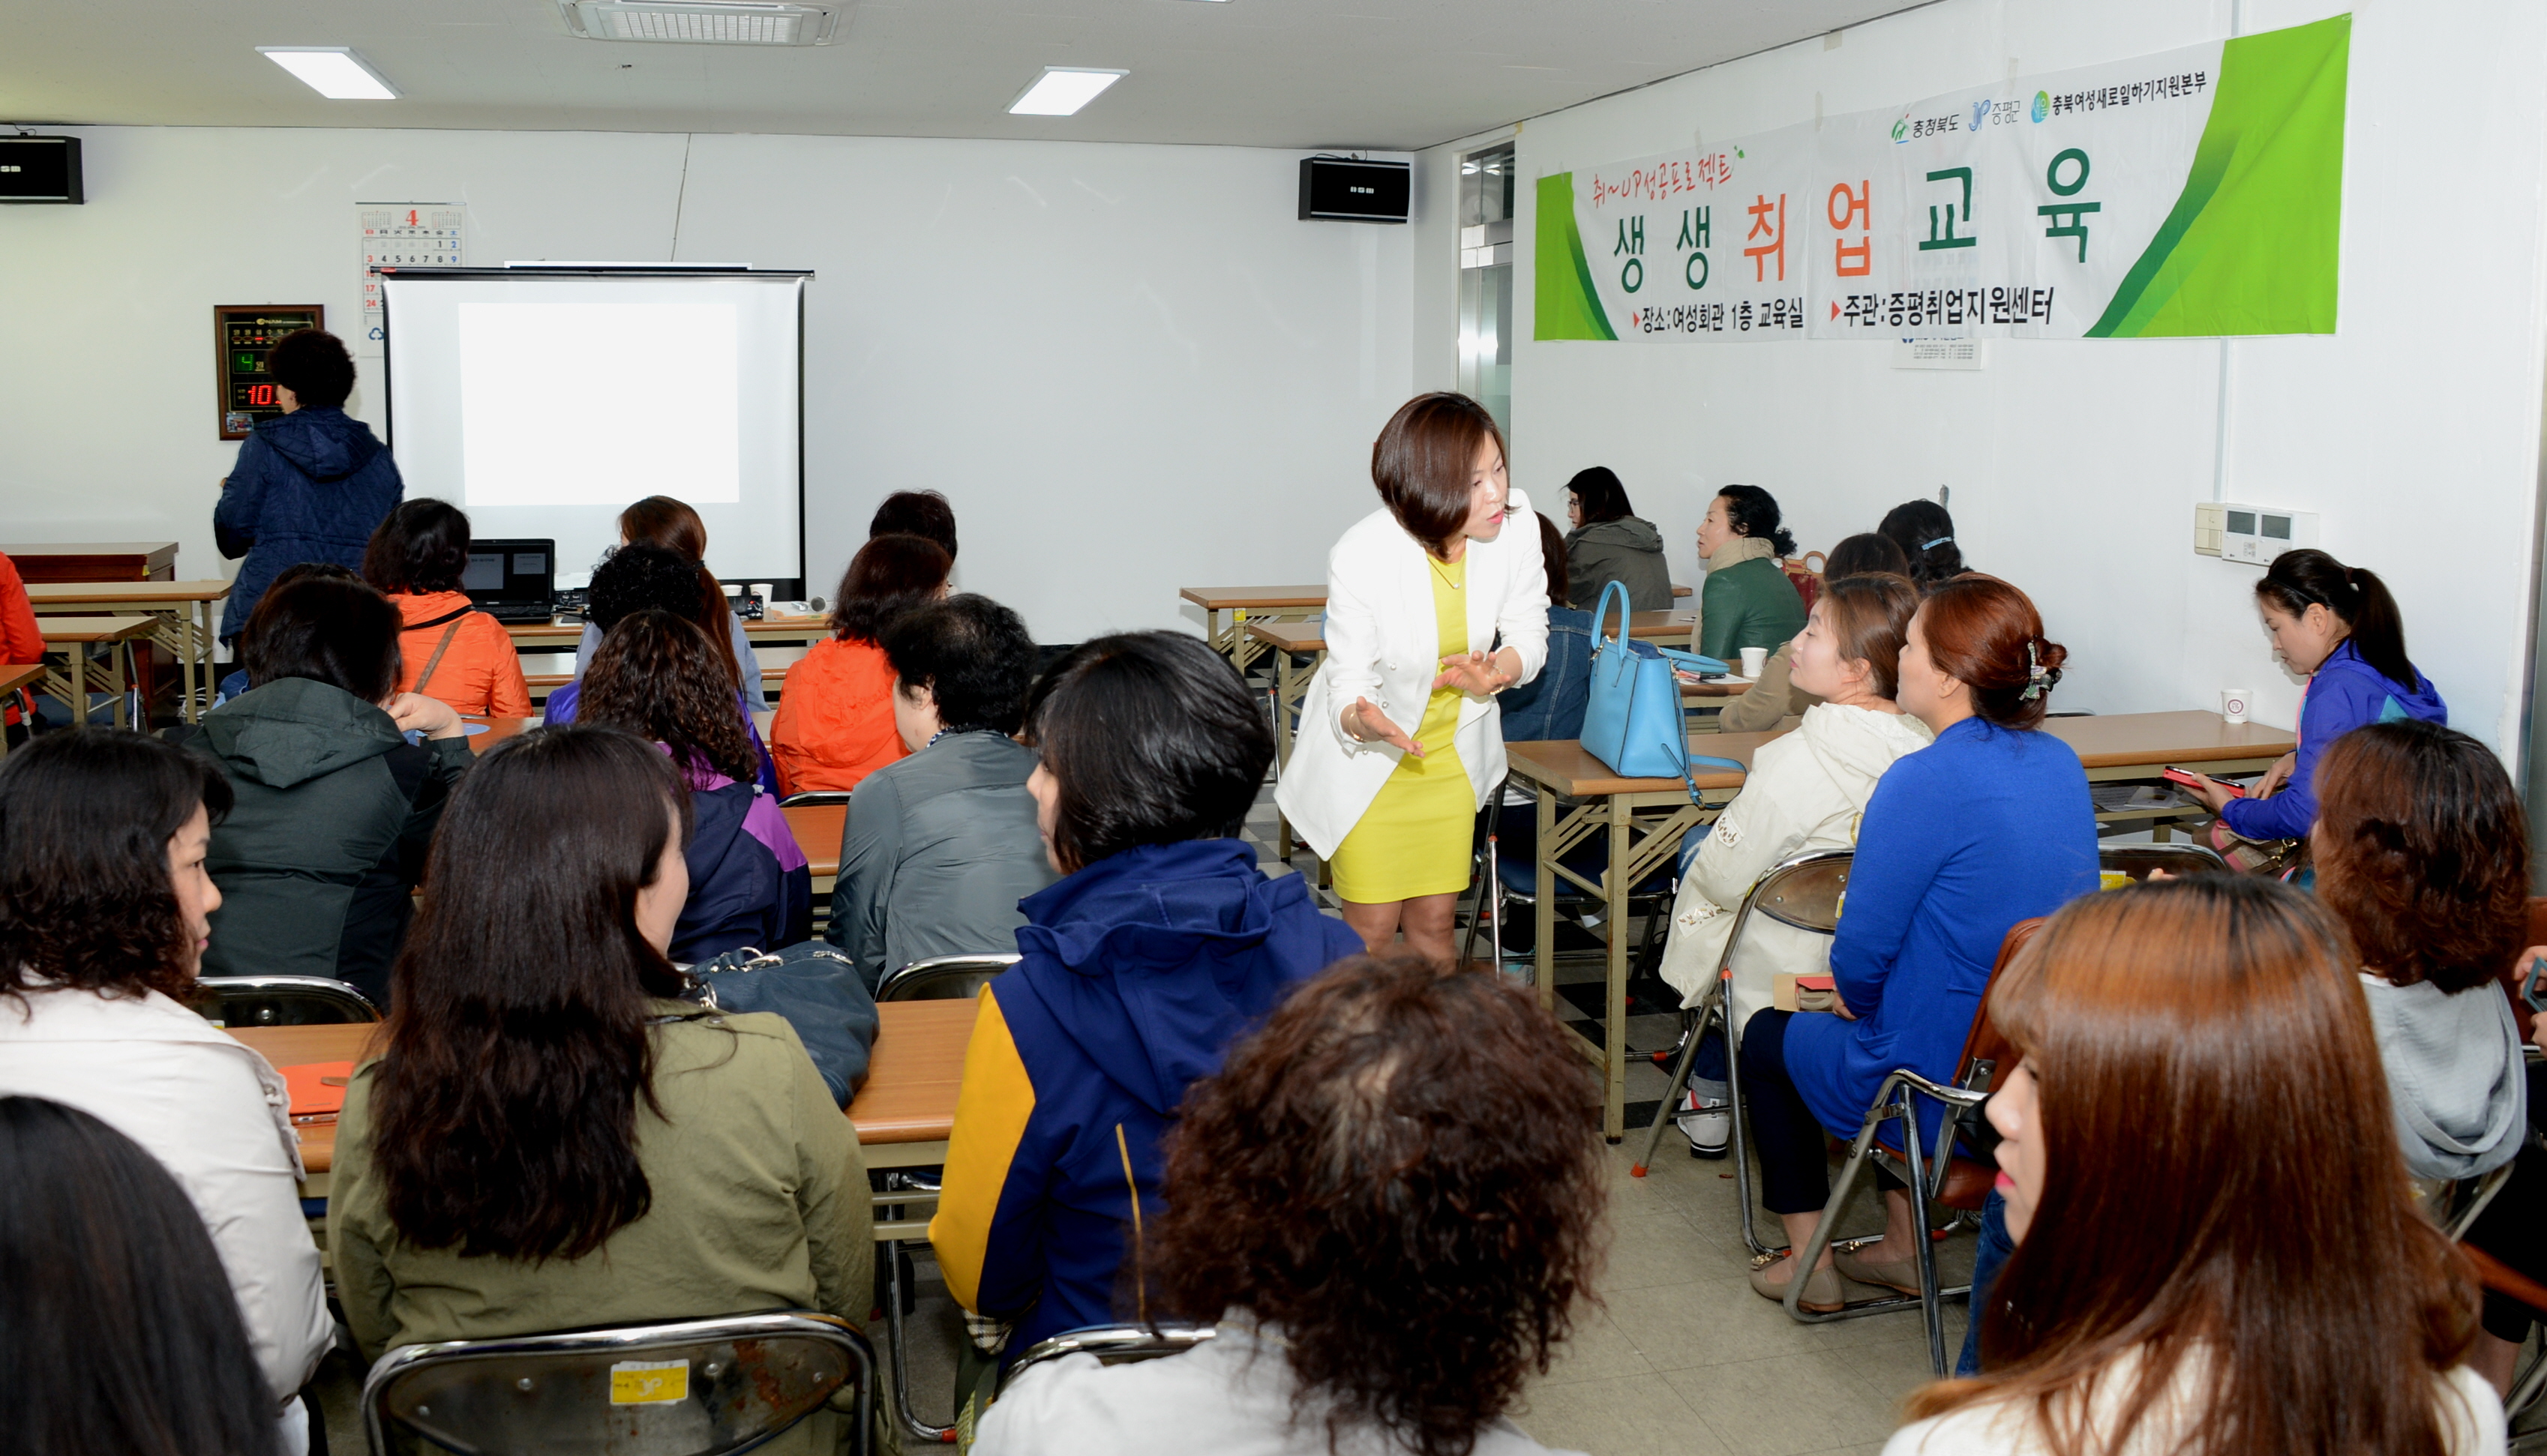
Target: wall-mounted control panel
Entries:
(2253, 534)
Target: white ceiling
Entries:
(1379, 74)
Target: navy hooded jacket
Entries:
(1138, 973)
(312, 486)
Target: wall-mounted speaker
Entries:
(40, 169)
(1345, 190)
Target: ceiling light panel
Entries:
(333, 71)
(1062, 90)
(702, 21)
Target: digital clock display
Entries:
(242, 335)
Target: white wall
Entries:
(2414, 430)
(1130, 367)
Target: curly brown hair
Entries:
(2422, 852)
(1400, 1171)
(657, 675)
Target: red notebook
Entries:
(317, 1088)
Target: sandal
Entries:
(1823, 1292)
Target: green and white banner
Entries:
(2193, 193)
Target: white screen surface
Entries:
(543, 406)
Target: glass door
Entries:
(1486, 281)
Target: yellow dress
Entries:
(1414, 839)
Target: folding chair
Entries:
(2501, 1278)
(694, 1388)
(1933, 1174)
(942, 978)
(936, 979)
(282, 1001)
(815, 796)
(2179, 860)
(1499, 879)
(1804, 892)
(1114, 1345)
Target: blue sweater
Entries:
(1983, 828)
(1137, 973)
(309, 486)
(2345, 693)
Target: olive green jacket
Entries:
(760, 1202)
(1628, 550)
(1747, 602)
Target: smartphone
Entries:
(2194, 781)
(2533, 986)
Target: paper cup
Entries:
(2233, 705)
(1755, 661)
(767, 591)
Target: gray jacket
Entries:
(1627, 549)
(2454, 1075)
(936, 853)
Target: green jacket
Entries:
(1746, 602)
(760, 1202)
(334, 813)
(1628, 550)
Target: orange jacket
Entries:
(20, 639)
(834, 723)
(480, 674)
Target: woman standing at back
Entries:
(1434, 606)
(2215, 1255)
(448, 651)
(659, 520)
(1611, 543)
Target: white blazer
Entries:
(217, 1117)
(1382, 644)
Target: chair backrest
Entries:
(695, 1388)
(1114, 1345)
(1983, 1043)
(1805, 891)
(2139, 859)
(815, 796)
(281, 1000)
(942, 978)
(2518, 970)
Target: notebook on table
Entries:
(512, 580)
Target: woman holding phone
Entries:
(1432, 609)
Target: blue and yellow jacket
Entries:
(1139, 972)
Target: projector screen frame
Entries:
(788, 589)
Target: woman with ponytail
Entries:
(1747, 602)
(1926, 535)
(1989, 825)
(2337, 626)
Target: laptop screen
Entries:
(510, 570)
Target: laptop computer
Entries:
(512, 580)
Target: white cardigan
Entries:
(1382, 644)
(217, 1117)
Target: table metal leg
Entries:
(1543, 914)
(1616, 887)
(195, 663)
(119, 666)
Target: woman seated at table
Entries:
(659, 520)
(104, 909)
(1373, 1106)
(1769, 703)
(922, 513)
(641, 1158)
(1989, 825)
(1805, 791)
(1550, 705)
(1748, 601)
(1925, 533)
(643, 578)
(1610, 543)
(938, 849)
(835, 723)
(2214, 1254)
(321, 856)
(658, 677)
(123, 1335)
(1162, 944)
(448, 651)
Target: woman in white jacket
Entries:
(1805, 791)
(105, 910)
(1432, 609)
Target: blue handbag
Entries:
(1633, 721)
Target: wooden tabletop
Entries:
(2151, 740)
(14, 676)
(817, 833)
(1223, 598)
(1309, 637)
(95, 629)
(92, 561)
(57, 595)
(909, 1095)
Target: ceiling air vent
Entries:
(701, 22)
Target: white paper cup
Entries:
(1755, 661)
(767, 591)
(2233, 702)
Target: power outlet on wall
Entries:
(2250, 533)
